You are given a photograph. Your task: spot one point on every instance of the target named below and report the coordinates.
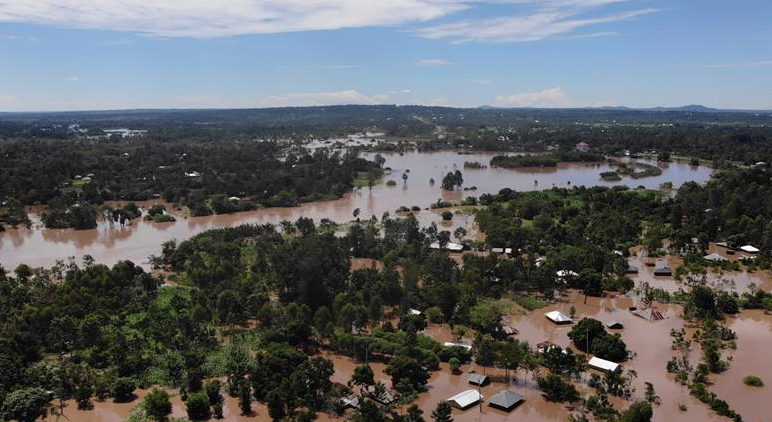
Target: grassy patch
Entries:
(528, 303)
(78, 182)
(361, 181)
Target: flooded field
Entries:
(108, 244)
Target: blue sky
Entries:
(93, 54)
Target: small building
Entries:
(385, 397)
(558, 317)
(466, 399)
(649, 314)
(454, 247)
(414, 312)
(510, 331)
(452, 344)
(582, 146)
(505, 400)
(450, 246)
(749, 249)
(663, 271)
(507, 251)
(234, 199)
(722, 244)
(545, 346)
(714, 257)
(479, 379)
(603, 365)
(614, 325)
(631, 269)
(350, 402)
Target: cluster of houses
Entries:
(505, 400)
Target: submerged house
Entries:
(479, 379)
(603, 365)
(452, 344)
(466, 399)
(714, 257)
(663, 271)
(558, 317)
(749, 249)
(614, 325)
(631, 269)
(649, 314)
(505, 400)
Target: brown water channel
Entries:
(42, 247)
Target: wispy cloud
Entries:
(546, 98)
(434, 62)
(549, 20)
(73, 78)
(759, 63)
(322, 98)
(6, 100)
(13, 37)
(212, 19)
(483, 82)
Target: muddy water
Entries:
(737, 281)
(754, 332)
(650, 340)
(110, 244)
(110, 411)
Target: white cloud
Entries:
(406, 91)
(552, 97)
(547, 21)
(547, 98)
(6, 100)
(434, 62)
(322, 98)
(212, 19)
(73, 78)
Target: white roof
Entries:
(507, 251)
(714, 257)
(749, 249)
(603, 364)
(451, 246)
(566, 273)
(466, 398)
(412, 311)
(557, 316)
(451, 344)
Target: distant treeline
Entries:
(545, 160)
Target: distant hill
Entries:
(691, 108)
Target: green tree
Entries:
(638, 412)
(157, 404)
(197, 406)
(443, 412)
(123, 389)
(25, 404)
(556, 389)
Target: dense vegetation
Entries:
(545, 160)
(194, 171)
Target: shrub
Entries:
(123, 389)
(753, 381)
(197, 405)
(447, 215)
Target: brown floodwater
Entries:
(109, 244)
(650, 340)
(737, 281)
